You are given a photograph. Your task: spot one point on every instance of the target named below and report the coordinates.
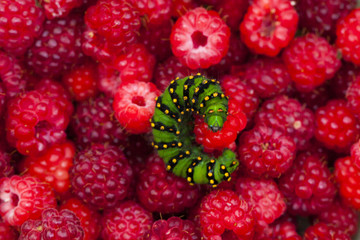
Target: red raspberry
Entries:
(93, 122)
(53, 166)
(34, 122)
(108, 79)
(53, 224)
(336, 126)
(134, 105)
(266, 152)
(126, 221)
(223, 210)
(323, 231)
(200, 38)
(58, 47)
(310, 60)
(288, 116)
(23, 198)
(347, 175)
(268, 26)
(7, 232)
(136, 64)
(268, 76)
(355, 153)
(242, 93)
(156, 11)
(353, 96)
(89, 218)
(81, 81)
(173, 228)
(59, 8)
(280, 229)
(232, 11)
(316, 98)
(263, 197)
(21, 23)
(343, 78)
(112, 25)
(348, 35)
(101, 176)
(180, 7)
(162, 191)
(6, 169)
(307, 186)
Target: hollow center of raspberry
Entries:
(14, 199)
(199, 39)
(269, 24)
(138, 100)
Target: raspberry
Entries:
(7, 232)
(288, 116)
(336, 126)
(180, 7)
(355, 153)
(307, 186)
(223, 210)
(173, 228)
(53, 166)
(280, 229)
(348, 35)
(268, 26)
(314, 99)
(6, 169)
(23, 198)
(108, 79)
(310, 60)
(323, 231)
(58, 47)
(266, 152)
(268, 76)
(232, 11)
(353, 96)
(89, 218)
(134, 105)
(347, 175)
(200, 38)
(53, 224)
(21, 23)
(59, 8)
(34, 122)
(162, 191)
(93, 122)
(126, 221)
(343, 78)
(101, 176)
(156, 11)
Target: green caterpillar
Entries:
(173, 129)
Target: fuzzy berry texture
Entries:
(101, 176)
(310, 60)
(128, 220)
(162, 191)
(7, 232)
(53, 225)
(21, 24)
(134, 105)
(59, 8)
(23, 198)
(108, 80)
(269, 26)
(155, 12)
(323, 231)
(223, 210)
(336, 126)
(200, 38)
(308, 186)
(6, 169)
(173, 228)
(348, 35)
(353, 96)
(281, 229)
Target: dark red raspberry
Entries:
(162, 191)
(288, 116)
(336, 126)
(112, 25)
(134, 105)
(355, 153)
(58, 47)
(155, 12)
(200, 38)
(323, 231)
(268, 26)
(6, 169)
(126, 221)
(308, 186)
(89, 218)
(35, 121)
(53, 166)
(53, 225)
(347, 175)
(268, 76)
(348, 34)
(7, 232)
(316, 98)
(23, 198)
(108, 79)
(353, 96)
(101, 176)
(232, 11)
(93, 122)
(173, 228)
(180, 7)
(21, 23)
(59, 8)
(310, 60)
(223, 210)
(281, 229)
(242, 93)
(343, 78)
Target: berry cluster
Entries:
(79, 81)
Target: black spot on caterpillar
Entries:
(173, 131)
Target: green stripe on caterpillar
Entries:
(173, 129)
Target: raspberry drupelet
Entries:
(155, 12)
(322, 231)
(7, 232)
(59, 8)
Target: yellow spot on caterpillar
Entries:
(156, 146)
(199, 158)
(185, 87)
(193, 100)
(201, 105)
(165, 146)
(206, 98)
(210, 174)
(187, 109)
(188, 179)
(217, 82)
(215, 94)
(187, 152)
(223, 167)
(205, 82)
(185, 98)
(226, 174)
(203, 115)
(222, 95)
(179, 120)
(174, 160)
(162, 127)
(209, 168)
(229, 179)
(213, 80)
(212, 181)
(233, 163)
(189, 170)
(214, 186)
(171, 129)
(152, 124)
(152, 143)
(194, 164)
(179, 144)
(175, 100)
(212, 161)
(166, 111)
(180, 156)
(177, 132)
(220, 110)
(156, 98)
(173, 144)
(177, 78)
(182, 113)
(192, 110)
(196, 89)
(172, 81)
(168, 167)
(199, 74)
(171, 90)
(211, 111)
(158, 105)
(173, 115)
(191, 77)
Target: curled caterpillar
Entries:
(173, 129)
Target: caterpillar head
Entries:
(215, 116)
